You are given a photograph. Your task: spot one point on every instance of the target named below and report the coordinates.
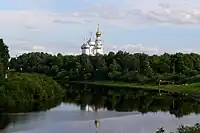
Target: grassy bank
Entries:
(190, 88)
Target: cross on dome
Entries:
(98, 33)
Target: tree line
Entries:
(120, 66)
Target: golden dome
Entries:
(98, 33)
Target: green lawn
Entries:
(190, 88)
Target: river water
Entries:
(118, 112)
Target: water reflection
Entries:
(4, 121)
(95, 98)
(21, 112)
(82, 102)
(32, 106)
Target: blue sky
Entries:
(54, 26)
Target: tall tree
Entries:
(4, 59)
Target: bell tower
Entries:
(98, 42)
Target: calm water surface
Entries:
(119, 111)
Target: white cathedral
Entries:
(93, 47)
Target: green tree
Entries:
(4, 59)
(123, 66)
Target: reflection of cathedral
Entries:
(93, 47)
(92, 108)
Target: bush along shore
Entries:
(183, 129)
(24, 88)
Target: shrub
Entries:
(21, 88)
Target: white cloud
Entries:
(20, 47)
(137, 48)
(187, 51)
(38, 48)
(173, 16)
(27, 19)
(130, 17)
(100, 13)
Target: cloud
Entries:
(19, 47)
(128, 17)
(71, 21)
(134, 48)
(27, 20)
(101, 13)
(187, 51)
(38, 48)
(173, 16)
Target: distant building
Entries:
(93, 47)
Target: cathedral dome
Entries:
(90, 42)
(85, 46)
(98, 33)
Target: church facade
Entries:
(91, 47)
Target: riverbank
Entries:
(190, 88)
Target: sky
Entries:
(60, 26)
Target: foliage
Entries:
(4, 60)
(23, 88)
(122, 66)
(189, 129)
(184, 129)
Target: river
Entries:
(119, 111)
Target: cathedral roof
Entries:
(99, 47)
(90, 42)
(85, 46)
